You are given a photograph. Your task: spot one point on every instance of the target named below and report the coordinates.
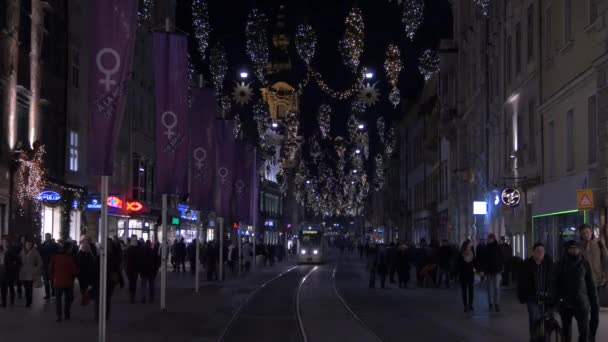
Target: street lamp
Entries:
(357, 151)
(369, 75)
(361, 126)
(307, 182)
(244, 74)
(275, 125)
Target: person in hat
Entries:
(575, 292)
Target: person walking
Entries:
(444, 261)
(595, 252)
(191, 252)
(212, 260)
(536, 286)
(47, 249)
(180, 255)
(575, 292)
(31, 270)
(391, 259)
(382, 264)
(85, 262)
(112, 279)
(62, 271)
(231, 257)
(403, 265)
(507, 255)
(9, 271)
(465, 266)
(493, 268)
(133, 265)
(247, 255)
(150, 265)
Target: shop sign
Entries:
(175, 221)
(584, 199)
(49, 196)
(510, 197)
(94, 204)
(114, 202)
(480, 208)
(134, 206)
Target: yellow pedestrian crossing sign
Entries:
(584, 199)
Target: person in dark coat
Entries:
(403, 265)
(465, 266)
(86, 261)
(492, 268)
(133, 265)
(382, 265)
(535, 286)
(9, 272)
(444, 258)
(47, 249)
(62, 270)
(180, 255)
(191, 252)
(212, 258)
(391, 259)
(149, 269)
(112, 279)
(507, 256)
(575, 292)
(481, 257)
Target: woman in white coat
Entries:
(31, 270)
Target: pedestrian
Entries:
(403, 265)
(507, 255)
(9, 271)
(575, 292)
(180, 254)
(19, 248)
(86, 261)
(391, 259)
(31, 270)
(595, 252)
(382, 265)
(150, 265)
(466, 274)
(536, 286)
(47, 249)
(62, 270)
(444, 261)
(191, 253)
(133, 265)
(247, 255)
(480, 256)
(173, 252)
(212, 260)
(112, 279)
(493, 268)
(231, 257)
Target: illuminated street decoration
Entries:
(413, 14)
(510, 197)
(114, 202)
(202, 27)
(393, 66)
(480, 208)
(94, 204)
(134, 206)
(49, 196)
(428, 63)
(351, 46)
(257, 43)
(306, 43)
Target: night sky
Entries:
(382, 27)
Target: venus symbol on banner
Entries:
(108, 72)
(169, 126)
(200, 155)
(223, 173)
(240, 187)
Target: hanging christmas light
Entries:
(306, 43)
(391, 142)
(144, 13)
(393, 66)
(31, 174)
(262, 120)
(428, 63)
(257, 42)
(380, 127)
(292, 122)
(191, 79)
(351, 46)
(218, 65)
(484, 5)
(202, 26)
(237, 126)
(324, 120)
(413, 15)
(379, 179)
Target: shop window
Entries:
(75, 221)
(73, 151)
(51, 221)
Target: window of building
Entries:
(593, 12)
(519, 133)
(567, 21)
(75, 67)
(518, 50)
(530, 33)
(509, 58)
(592, 127)
(551, 146)
(73, 151)
(51, 221)
(570, 140)
(548, 33)
(531, 132)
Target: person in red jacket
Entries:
(63, 271)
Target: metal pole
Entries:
(198, 253)
(239, 244)
(221, 240)
(163, 270)
(103, 261)
(255, 259)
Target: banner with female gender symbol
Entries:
(112, 26)
(225, 167)
(245, 156)
(203, 117)
(169, 55)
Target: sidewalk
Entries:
(189, 316)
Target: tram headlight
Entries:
(315, 252)
(303, 251)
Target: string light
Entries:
(324, 120)
(484, 5)
(257, 42)
(261, 116)
(413, 15)
(391, 142)
(237, 125)
(191, 79)
(379, 179)
(380, 126)
(202, 27)
(428, 63)
(144, 14)
(351, 46)
(306, 43)
(393, 66)
(31, 174)
(218, 65)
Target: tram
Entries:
(311, 244)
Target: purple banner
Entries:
(203, 117)
(225, 167)
(170, 59)
(112, 26)
(255, 189)
(245, 156)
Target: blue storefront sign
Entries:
(94, 204)
(49, 196)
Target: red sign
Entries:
(235, 225)
(134, 206)
(114, 202)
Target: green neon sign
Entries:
(175, 221)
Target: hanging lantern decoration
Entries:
(306, 43)
(428, 63)
(315, 148)
(393, 66)
(257, 42)
(413, 15)
(292, 122)
(31, 174)
(351, 46)
(380, 126)
(237, 125)
(324, 120)
(202, 26)
(191, 79)
(369, 95)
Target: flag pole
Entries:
(238, 235)
(163, 272)
(103, 261)
(196, 262)
(221, 240)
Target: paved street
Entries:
(286, 302)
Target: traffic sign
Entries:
(584, 199)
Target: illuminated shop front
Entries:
(125, 218)
(53, 209)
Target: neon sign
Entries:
(114, 202)
(134, 206)
(510, 197)
(49, 196)
(94, 204)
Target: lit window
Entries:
(73, 151)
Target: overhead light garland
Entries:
(324, 120)
(242, 93)
(144, 13)
(218, 65)
(306, 43)
(484, 6)
(202, 26)
(351, 46)
(428, 63)
(379, 179)
(393, 66)
(391, 142)
(31, 174)
(237, 126)
(413, 15)
(263, 122)
(257, 42)
(380, 126)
